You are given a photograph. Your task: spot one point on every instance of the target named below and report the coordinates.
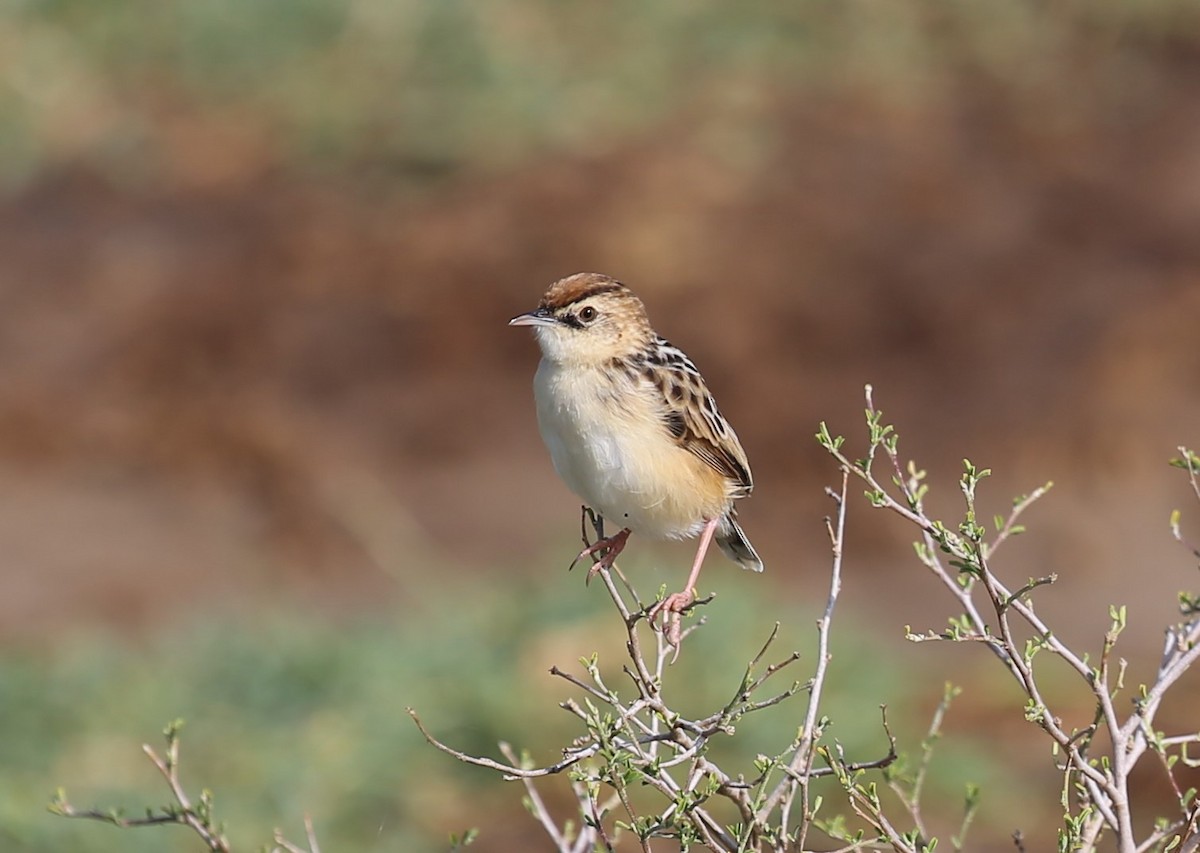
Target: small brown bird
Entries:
(632, 428)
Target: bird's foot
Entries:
(673, 606)
(610, 545)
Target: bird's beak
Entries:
(540, 317)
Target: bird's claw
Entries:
(600, 565)
(611, 546)
(587, 552)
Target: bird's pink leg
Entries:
(613, 545)
(677, 602)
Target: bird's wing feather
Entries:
(692, 417)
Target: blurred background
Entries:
(269, 449)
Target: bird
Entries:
(633, 430)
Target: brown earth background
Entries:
(254, 359)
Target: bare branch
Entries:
(196, 817)
(509, 771)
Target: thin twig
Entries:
(538, 807)
(509, 771)
(802, 760)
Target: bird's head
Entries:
(588, 318)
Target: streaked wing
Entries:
(692, 416)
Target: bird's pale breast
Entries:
(610, 445)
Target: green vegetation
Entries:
(290, 714)
(418, 91)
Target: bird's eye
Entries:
(587, 314)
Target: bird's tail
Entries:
(736, 546)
